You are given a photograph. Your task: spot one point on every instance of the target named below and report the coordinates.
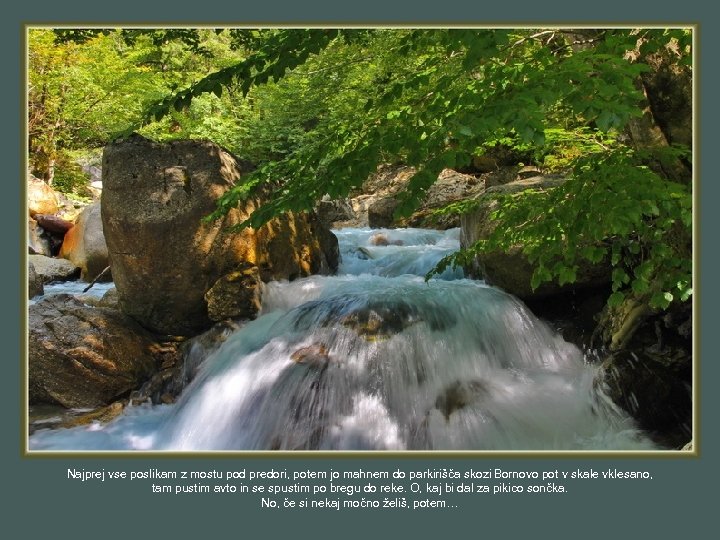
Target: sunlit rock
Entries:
(165, 258)
(84, 244)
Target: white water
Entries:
(377, 359)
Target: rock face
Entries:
(511, 270)
(50, 269)
(84, 244)
(84, 357)
(165, 259)
(41, 197)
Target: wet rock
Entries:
(81, 356)
(35, 282)
(655, 389)
(51, 269)
(315, 356)
(459, 395)
(165, 258)
(380, 239)
(364, 253)
(103, 415)
(181, 363)
(44, 416)
(375, 319)
(109, 299)
(84, 245)
(380, 320)
(382, 192)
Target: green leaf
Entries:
(640, 286)
(661, 300)
(616, 299)
(567, 275)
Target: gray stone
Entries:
(51, 269)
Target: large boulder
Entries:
(511, 270)
(380, 195)
(84, 244)
(41, 198)
(50, 269)
(165, 258)
(381, 212)
(334, 211)
(84, 357)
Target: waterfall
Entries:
(376, 358)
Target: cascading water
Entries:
(377, 359)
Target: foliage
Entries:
(317, 110)
(86, 86)
(612, 208)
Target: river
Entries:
(375, 358)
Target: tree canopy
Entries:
(317, 110)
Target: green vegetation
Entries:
(318, 110)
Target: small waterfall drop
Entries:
(375, 358)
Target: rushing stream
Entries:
(375, 358)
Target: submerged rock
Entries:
(459, 395)
(380, 239)
(315, 355)
(165, 258)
